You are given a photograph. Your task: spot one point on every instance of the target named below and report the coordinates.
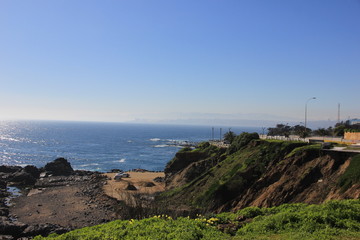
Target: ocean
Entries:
(99, 146)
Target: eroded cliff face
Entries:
(305, 178)
(188, 164)
(261, 174)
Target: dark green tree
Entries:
(280, 130)
(322, 132)
(242, 140)
(229, 137)
(298, 130)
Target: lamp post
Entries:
(306, 111)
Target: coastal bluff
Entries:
(261, 173)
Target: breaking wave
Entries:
(155, 139)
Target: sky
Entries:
(180, 61)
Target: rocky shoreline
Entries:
(54, 199)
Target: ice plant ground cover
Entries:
(338, 219)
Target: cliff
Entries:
(253, 172)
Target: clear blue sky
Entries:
(120, 60)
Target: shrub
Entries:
(242, 140)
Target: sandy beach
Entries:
(144, 182)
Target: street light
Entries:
(306, 111)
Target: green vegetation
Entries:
(352, 130)
(227, 174)
(242, 140)
(351, 175)
(302, 149)
(332, 220)
(229, 137)
(239, 169)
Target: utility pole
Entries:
(220, 134)
(212, 134)
(338, 120)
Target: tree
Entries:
(298, 129)
(322, 132)
(242, 140)
(280, 130)
(229, 137)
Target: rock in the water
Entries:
(59, 167)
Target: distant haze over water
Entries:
(99, 146)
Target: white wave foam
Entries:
(10, 139)
(90, 164)
(155, 139)
(161, 146)
(122, 160)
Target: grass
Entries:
(300, 150)
(351, 175)
(332, 220)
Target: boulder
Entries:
(131, 187)
(148, 184)
(59, 167)
(159, 179)
(22, 178)
(34, 171)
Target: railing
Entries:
(309, 139)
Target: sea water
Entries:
(99, 146)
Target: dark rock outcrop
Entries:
(18, 175)
(8, 227)
(34, 171)
(2, 184)
(44, 230)
(59, 167)
(22, 178)
(9, 169)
